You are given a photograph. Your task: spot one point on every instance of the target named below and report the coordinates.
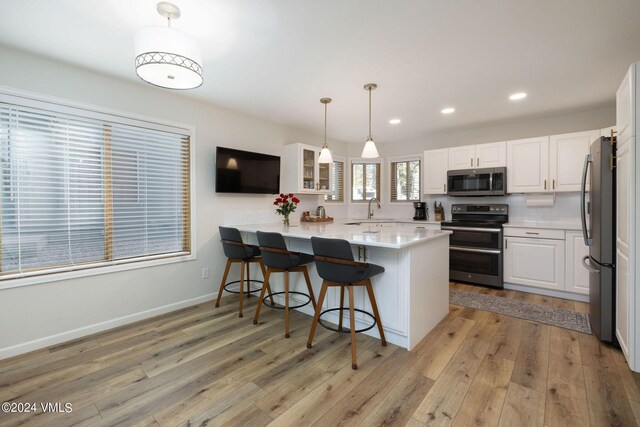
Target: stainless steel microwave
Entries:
(477, 182)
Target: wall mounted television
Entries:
(240, 171)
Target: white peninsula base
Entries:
(412, 294)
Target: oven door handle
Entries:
(474, 250)
(488, 230)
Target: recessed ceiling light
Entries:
(447, 110)
(517, 96)
(395, 121)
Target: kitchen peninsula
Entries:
(412, 293)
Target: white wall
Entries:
(38, 315)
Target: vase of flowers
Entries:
(286, 204)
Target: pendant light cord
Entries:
(370, 114)
(325, 124)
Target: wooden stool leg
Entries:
(265, 285)
(286, 304)
(314, 324)
(341, 306)
(308, 280)
(264, 275)
(352, 328)
(241, 287)
(224, 280)
(248, 279)
(376, 313)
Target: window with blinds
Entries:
(80, 191)
(337, 183)
(365, 181)
(405, 180)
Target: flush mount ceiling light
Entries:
(395, 121)
(167, 57)
(517, 96)
(448, 110)
(370, 151)
(325, 154)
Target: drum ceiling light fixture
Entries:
(167, 57)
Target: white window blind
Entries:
(337, 182)
(79, 192)
(405, 180)
(365, 181)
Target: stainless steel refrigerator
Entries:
(599, 233)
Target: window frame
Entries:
(344, 162)
(400, 159)
(379, 189)
(65, 106)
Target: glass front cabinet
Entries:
(301, 172)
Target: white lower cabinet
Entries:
(534, 262)
(577, 277)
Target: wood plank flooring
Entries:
(205, 366)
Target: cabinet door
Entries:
(528, 165)
(624, 246)
(566, 159)
(577, 276)
(309, 164)
(462, 157)
(534, 262)
(493, 155)
(435, 171)
(324, 177)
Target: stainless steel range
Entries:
(475, 247)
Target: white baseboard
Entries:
(50, 340)
(547, 292)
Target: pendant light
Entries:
(167, 57)
(370, 151)
(325, 154)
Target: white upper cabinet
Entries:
(493, 155)
(528, 165)
(301, 172)
(462, 157)
(435, 171)
(490, 155)
(566, 159)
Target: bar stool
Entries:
(280, 260)
(237, 251)
(336, 266)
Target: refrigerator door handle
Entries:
(583, 198)
(587, 264)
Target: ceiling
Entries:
(276, 58)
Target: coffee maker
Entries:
(422, 212)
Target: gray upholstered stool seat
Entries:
(336, 267)
(279, 259)
(237, 251)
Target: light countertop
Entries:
(550, 225)
(394, 234)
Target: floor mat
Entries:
(522, 309)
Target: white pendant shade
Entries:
(325, 156)
(168, 58)
(370, 151)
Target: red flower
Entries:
(296, 200)
(275, 203)
(278, 200)
(290, 194)
(281, 195)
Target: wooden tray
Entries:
(315, 219)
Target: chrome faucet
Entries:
(369, 210)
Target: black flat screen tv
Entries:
(240, 171)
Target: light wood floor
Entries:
(205, 366)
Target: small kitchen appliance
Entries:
(421, 211)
